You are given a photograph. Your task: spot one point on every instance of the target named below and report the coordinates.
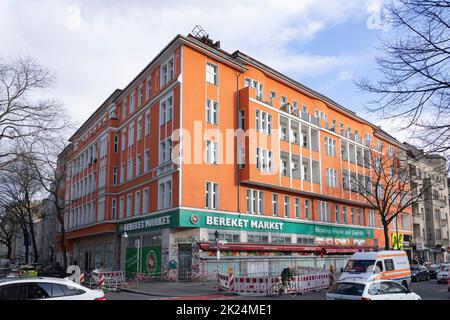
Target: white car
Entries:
(442, 275)
(41, 288)
(359, 289)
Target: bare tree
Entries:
(415, 63)
(51, 164)
(386, 187)
(8, 229)
(24, 117)
(19, 191)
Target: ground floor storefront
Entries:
(183, 243)
(187, 243)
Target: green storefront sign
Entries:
(201, 219)
(149, 261)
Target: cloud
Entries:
(96, 46)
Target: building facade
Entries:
(430, 214)
(203, 140)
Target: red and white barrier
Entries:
(101, 280)
(81, 278)
(242, 284)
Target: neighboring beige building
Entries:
(431, 214)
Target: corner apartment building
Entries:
(430, 215)
(159, 168)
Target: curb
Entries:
(170, 296)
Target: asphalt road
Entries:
(428, 290)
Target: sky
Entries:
(97, 46)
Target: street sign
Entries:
(218, 254)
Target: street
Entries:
(428, 290)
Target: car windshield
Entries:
(351, 289)
(358, 265)
(445, 267)
(414, 267)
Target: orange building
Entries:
(203, 141)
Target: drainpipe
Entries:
(237, 146)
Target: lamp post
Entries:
(216, 236)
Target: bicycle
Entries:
(278, 289)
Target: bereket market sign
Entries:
(202, 219)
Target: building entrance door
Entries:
(185, 262)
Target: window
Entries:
(121, 208)
(344, 214)
(297, 207)
(257, 238)
(166, 110)
(212, 149)
(352, 213)
(332, 178)
(147, 123)
(286, 206)
(113, 209)
(130, 169)
(283, 101)
(275, 204)
(211, 195)
(264, 160)
(330, 147)
(131, 135)
(122, 173)
(389, 264)
(166, 72)
(263, 122)
(149, 88)
(165, 194)
(137, 203)
(307, 210)
(124, 109)
(145, 201)
(337, 214)
(138, 165)
(116, 143)
(139, 129)
(129, 204)
(124, 139)
(141, 96)
(212, 111)
(255, 201)
(132, 103)
(165, 151)
(324, 211)
(146, 160)
(211, 73)
(115, 175)
(360, 217)
(12, 292)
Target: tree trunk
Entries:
(27, 249)
(9, 253)
(386, 236)
(63, 240)
(33, 240)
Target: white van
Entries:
(369, 266)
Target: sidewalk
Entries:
(174, 289)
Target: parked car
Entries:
(359, 289)
(419, 273)
(433, 270)
(51, 271)
(41, 288)
(442, 275)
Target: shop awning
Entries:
(259, 247)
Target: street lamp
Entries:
(216, 236)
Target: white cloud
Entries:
(109, 42)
